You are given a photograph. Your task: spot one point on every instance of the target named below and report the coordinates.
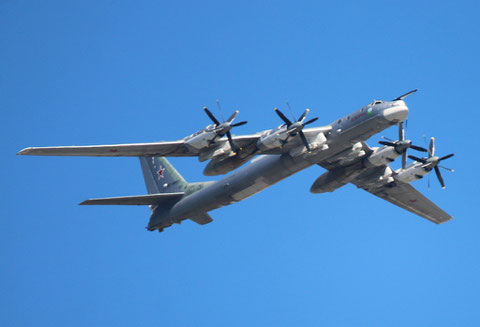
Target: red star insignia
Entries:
(412, 201)
(160, 172)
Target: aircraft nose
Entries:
(397, 113)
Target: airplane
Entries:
(339, 147)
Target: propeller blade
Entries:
(446, 168)
(404, 158)
(282, 116)
(439, 176)
(418, 159)
(401, 132)
(386, 143)
(388, 139)
(418, 148)
(446, 157)
(211, 116)
(304, 140)
(220, 109)
(310, 121)
(403, 96)
(232, 117)
(291, 111)
(232, 145)
(239, 124)
(431, 148)
(302, 117)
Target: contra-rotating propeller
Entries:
(401, 145)
(297, 126)
(224, 128)
(433, 161)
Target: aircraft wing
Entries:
(175, 148)
(407, 197)
(163, 149)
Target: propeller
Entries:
(224, 128)
(401, 145)
(297, 126)
(433, 161)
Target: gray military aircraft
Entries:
(339, 147)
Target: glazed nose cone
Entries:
(397, 113)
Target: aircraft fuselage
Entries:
(266, 170)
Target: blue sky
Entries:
(96, 72)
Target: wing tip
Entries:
(443, 220)
(25, 151)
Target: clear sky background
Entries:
(99, 72)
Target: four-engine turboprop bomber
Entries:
(339, 147)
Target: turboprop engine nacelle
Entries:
(412, 173)
(224, 165)
(381, 156)
(220, 167)
(201, 139)
(271, 140)
(380, 176)
(218, 153)
(318, 144)
(350, 155)
(334, 179)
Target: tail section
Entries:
(165, 187)
(162, 178)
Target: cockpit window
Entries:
(377, 102)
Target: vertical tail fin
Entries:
(160, 176)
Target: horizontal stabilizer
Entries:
(202, 219)
(151, 199)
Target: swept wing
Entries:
(405, 196)
(163, 149)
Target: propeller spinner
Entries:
(402, 145)
(224, 128)
(297, 126)
(432, 161)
